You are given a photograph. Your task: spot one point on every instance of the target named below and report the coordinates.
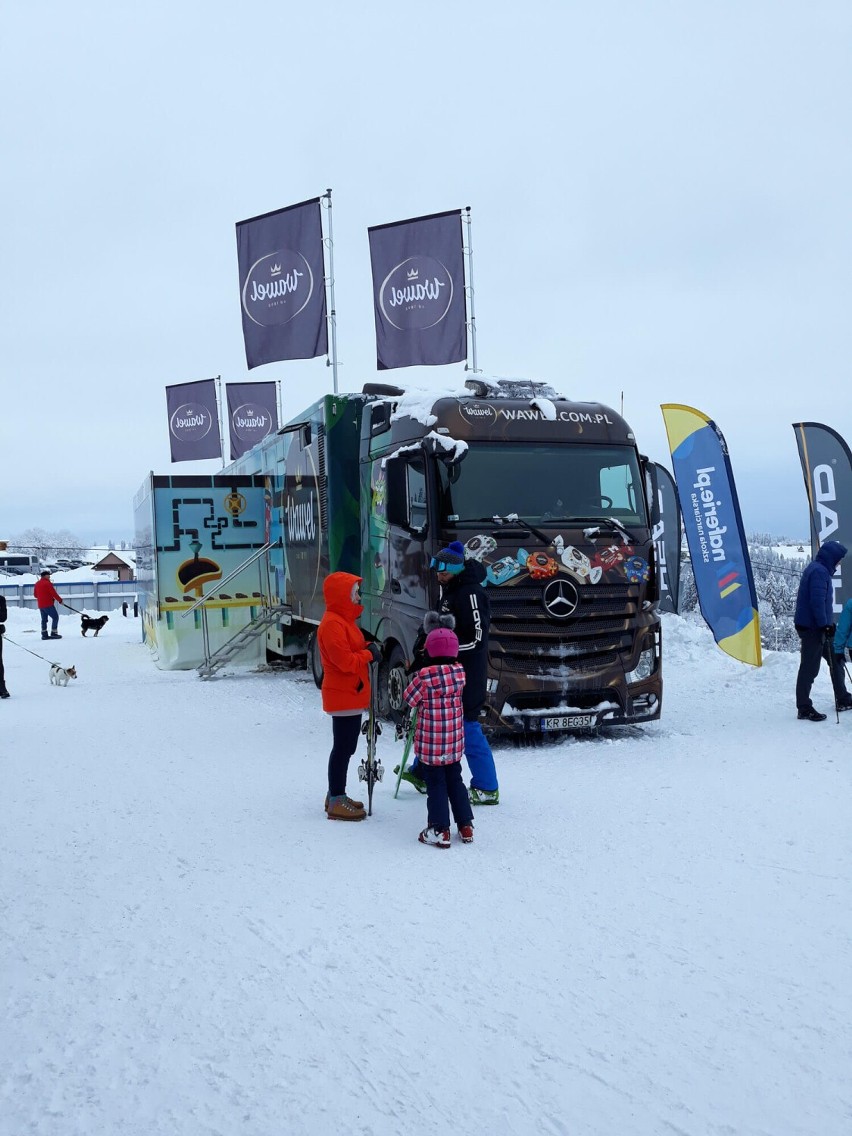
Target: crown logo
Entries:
(275, 269)
(413, 274)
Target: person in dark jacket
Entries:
(815, 625)
(464, 597)
(4, 693)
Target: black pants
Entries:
(445, 789)
(2, 671)
(344, 732)
(816, 646)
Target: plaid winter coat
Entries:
(436, 691)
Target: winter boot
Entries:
(841, 706)
(45, 635)
(484, 796)
(55, 635)
(357, 804)
(4, 693)
(435, 837)
(811, 715)
(412, 779)
(341, 808)
(466, 833)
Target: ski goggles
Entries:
(440, 565)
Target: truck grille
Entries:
(530, 641)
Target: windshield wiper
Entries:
(610, 523)
(513, 521)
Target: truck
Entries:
(552, 497)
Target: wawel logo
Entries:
(485, 412)
(416, 293)
(191, 422)
(251, 423)
(301, 520)
(277, 287)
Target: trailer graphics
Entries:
(192, 533)
(550, 495)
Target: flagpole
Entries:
(332, 316)
(221, 421)
(469, 290)
(278, 401)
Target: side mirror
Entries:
(652, 490)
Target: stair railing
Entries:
(203, 600)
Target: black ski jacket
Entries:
(466, 599)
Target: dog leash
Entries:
(33, 653)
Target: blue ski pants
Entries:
(480, 759)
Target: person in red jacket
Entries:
(47, 598)
(346, 656)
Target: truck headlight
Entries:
(645, 666)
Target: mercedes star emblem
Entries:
(560, 598)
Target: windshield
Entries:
(543, 483)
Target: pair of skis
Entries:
(371, 769)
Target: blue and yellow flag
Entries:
(714, 531)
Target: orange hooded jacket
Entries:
(343, 648)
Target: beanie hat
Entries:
(442, 644)
(450, 559)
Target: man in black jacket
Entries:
(4, 693)
(464, 597)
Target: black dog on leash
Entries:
(87, 624)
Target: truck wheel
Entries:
(392, 682)
(315, 660)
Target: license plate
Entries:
(568, 722)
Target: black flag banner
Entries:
(282, 286)
(252, 414)
(667, 538)
(418, 291)
(827, 468)
(193, 421)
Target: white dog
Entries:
(59, 675)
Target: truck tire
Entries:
(392, 681)
(315, 660)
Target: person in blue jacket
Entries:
(843, 637)
(814, 621)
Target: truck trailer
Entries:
(551, 496)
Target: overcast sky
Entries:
(660, 196)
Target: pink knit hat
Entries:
(442, 644)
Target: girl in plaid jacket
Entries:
(436, 692)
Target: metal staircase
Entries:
(243, 637)
(269, 614)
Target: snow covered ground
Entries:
(651, 934)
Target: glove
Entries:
(850, 654)
(829, 630)
(376, 651)
(3, 631)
